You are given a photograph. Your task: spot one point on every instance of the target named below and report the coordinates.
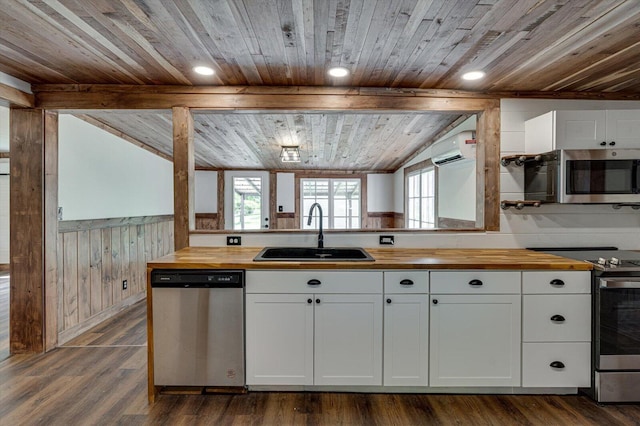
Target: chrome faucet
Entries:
(320, 235)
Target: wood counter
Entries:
(385, 258)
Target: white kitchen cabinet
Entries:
(556, 323)
(348, 339)
(279, 342)
(314, 338)
(590, 129)
(406, 339)
(475, 339)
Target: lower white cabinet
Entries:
(406, 339)
(475, 340)
(314, 339)
(556, 364)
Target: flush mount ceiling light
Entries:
(338, 72)
(290, 154)
(473, 75)
(203, 70)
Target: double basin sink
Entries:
(345, 254)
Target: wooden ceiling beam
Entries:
(16, 97)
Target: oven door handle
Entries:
(620, 283)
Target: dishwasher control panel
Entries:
(197, 278)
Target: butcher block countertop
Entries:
(385, 258)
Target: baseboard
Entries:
(78, 329)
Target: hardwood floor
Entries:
(99, 378)
(4, 315)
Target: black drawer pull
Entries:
(558, 318)
(556, 364)
(557, 283)
(435, 301)
(318, 301)
(309, 301)
(475, 283)
(388, 300)
(406, 282)
(314, 282)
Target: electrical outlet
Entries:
(124, 284)
(387, 240)
(234, 241)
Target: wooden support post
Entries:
(220, 199)
(183, 176)
(33, 233)
(488, 151)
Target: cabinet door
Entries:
(580, 129)
(406, 339)
(623, 128)
(474, 340)
(279, 348)
(348, 339)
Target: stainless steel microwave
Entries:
(598, 176)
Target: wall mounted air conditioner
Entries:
(456, 148)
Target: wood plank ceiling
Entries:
(523, 45)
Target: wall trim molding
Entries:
(88, 224)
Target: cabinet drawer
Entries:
(553, 282)
(538, 372)
(406, 282)
(485, 282)
(538, 311)
(310, 281)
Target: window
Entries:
(339, 199)
(247, 202)
(421, 198)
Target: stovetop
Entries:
(603, 260)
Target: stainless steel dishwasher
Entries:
(198, 327)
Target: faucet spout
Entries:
(320, 234)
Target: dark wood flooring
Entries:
(99, 378)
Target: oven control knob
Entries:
(614, 261)
(602, 261)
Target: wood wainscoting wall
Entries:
(94, 257)
(207, 221)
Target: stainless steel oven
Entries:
(584, 176)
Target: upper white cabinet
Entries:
(590, 129)
(475, 332)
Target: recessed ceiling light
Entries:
(473, 75)
(338, 72)
(203, 70)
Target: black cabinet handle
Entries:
(406, 282)
(558, 318)
(309, 301)
(317, 300)
(603, 143)
(435, 301)
(388, 300)
(475, 283)
(556, 364)
(557, 283)
(314, 282)
(612, 143)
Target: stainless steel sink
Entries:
(346, 254)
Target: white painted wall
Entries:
(286, 192)
(550, 225)
(103, 176)
(457, 191)
(380, 192)
(206, 191)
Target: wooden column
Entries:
(488, 134)
(33, 231)
(183, 176)
(220, 199)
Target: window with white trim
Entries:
(421, 203)
(339, 199)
